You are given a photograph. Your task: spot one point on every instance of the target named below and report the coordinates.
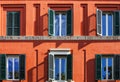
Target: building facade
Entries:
(59, 41)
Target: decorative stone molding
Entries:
(76, 38)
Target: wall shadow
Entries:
(90, 70)
(34, 74)
(41, 23)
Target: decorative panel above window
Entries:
(108, 23)
(60, 23)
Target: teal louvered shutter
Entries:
(2, 66)
(17, 23)
(99, 22)
(50, 66)
(51, 22)
(117, 67)
(22, 64)
(9, 23)
(69, 67)
(69, 22)
(98, 66)
(116, 23)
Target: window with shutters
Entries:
(13, 23)
(60, 23)
(107, 67)
(108, 23)
(12, 67)
(60, 65)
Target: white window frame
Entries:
(107, 68)
(60, 52)
(60, 24)
(106, 14)
(12, 66)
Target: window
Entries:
(108, 23)
(60, 68)
(12, 67)
(107, 67)
(60, 65)
(13, 23)
(60, 23)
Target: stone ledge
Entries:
(59, 37)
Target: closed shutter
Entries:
(69, 67)
(2, 66)
(9, 23)
(22, 64)
(99, 22)
(50, 66)
(117, 67)
(116, 23)
(51, 22)
(98, 66)
(69, 22)
(17, 23)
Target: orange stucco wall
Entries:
(35, 15)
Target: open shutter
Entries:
(99, 22)
(117, 67)
(2, 66)
(22, 66)
(51, 22)
(116, 23)
(69, 22)
(51, 66)
(98, 66)
(69, 67)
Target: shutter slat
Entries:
(116, 23)
(99, 22)
(22, 60)
(69, 67)
(98, 67)
(51, 66)
(51, 22)
(2, 66)
(69, 22)
(17, 19)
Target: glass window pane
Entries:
(16, 68)
(63, 69)
(10, 68)
(109, 68)
(57, 25)
(110, 24)
(16, 31)
(64, 23)
(103, 68)
(103, 24)
(57, 69)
